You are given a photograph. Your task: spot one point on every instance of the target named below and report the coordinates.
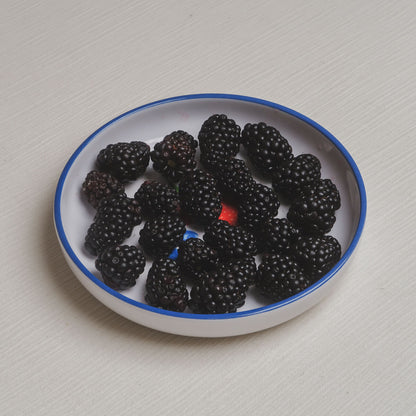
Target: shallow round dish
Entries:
(150, 123)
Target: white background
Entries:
(68, 67)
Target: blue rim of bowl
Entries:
(241, 314)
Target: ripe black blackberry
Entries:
(279, 277)
(230, 241)
(119, 208)
(124, 160)
(160, 235)
(199, 197)
(257, 206)
(156, 198)
(174, 156)
(276, 235)
(215, 153)
(165, 287)
(317, 254)
(216, 293)
(102, 234)
(241, 270)
(195, 256)
(266, 148)
(98, 185)
(234, 179)
(312, 214)
(324, 190)
(301, 173)
(222, 132)
(120, 266)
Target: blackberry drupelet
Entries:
(241, 270)
(301, 173)
(312, 214)
(234, 179)
(199, 197)
(120, 266)
(257, 206)
(195, 256)
(124, 160)
(220, 131)
(174, 156)
(98, 185)
(230, 241)
(119, 208)
(266, 148)
(279, 277)
(324, 190)
(156, 198)
(102, 234)
(165, 288)
(161, 235)
(216, 293)
(317, 254)
(276, 235)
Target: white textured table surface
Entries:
(68, 67)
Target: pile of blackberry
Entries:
(214, 270)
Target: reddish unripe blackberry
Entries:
(98, 185)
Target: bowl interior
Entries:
(153, 122)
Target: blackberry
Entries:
(216, 293)
(161, 235)
(301, 173)
(242, 270)
(199, 197)
(234, 179)
(324, 190)
(279, 277)
(156, 198)
(120, 266)
(267, 149)
(276, 235)
(218, 131)
(98, 185)
(230, 241)
(195, 256)
(124, 160)
(165, 288)
(312, 214)
(317, 254)
(257, 206)
(174, 156)
(102, 234)
(119, 209)
(215, 153)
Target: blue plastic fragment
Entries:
(188, 234)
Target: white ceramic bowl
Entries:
(151, 123)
